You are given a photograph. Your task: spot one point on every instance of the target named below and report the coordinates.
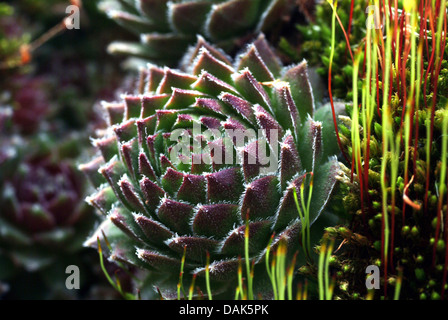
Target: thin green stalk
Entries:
(442, 186)
(116, 286)
(240, 288)
(304, 214)
(269, 269)
(328, 286)
(302, 219)
(273, 279)
(290, 276)
(190, 291)
(443, 167)
(281, 279)
(398, 284)
(299, 292)
(323, 275)
(302, 291)
(414, 96)
(237, 293)
(386, 137)
(413, 55)
(180, 285)
(305, 291)
(248, 263)
(320, 272)
(355, 137)
(207, 277)
(308, 206)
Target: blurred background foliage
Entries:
(52, 80)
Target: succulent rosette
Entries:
(42, 215)
(178, 173)
(167, 28)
